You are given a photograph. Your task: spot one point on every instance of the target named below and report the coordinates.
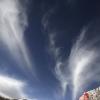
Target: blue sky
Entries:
(49, 49)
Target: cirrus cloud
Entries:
(11, 87)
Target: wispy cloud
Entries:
(60, 66)
(81, 67)
(12, 88)
(81, 59)
(15, 88)
(59, 70)
(13, 21)
(82, 64)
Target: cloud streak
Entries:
(81, 59)
(81, 67)
(60, 66)
(13, 21)
(12, 88)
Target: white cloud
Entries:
(61, 77)
(80, 60)
(82, 65)
(12, 25)
(60, 72)
(11, 87)
(84, 61)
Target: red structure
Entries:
(85, 96)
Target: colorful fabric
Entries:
(85, 96)
(91, 95)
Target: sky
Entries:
(49, 49)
